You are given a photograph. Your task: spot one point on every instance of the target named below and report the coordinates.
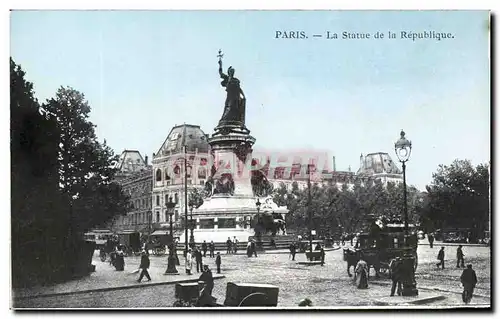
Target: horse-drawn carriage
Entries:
(379, 247)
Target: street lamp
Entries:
(171, 270)
(191, 238)
(259, 240)
(403, 150)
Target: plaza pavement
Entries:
(326, 286)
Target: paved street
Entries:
(325, 286)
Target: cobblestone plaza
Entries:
(327, 286)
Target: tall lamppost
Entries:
(171, 270)
(257, 224)
(191, 238)
(403, 150)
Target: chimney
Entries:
(334, 167)
(146, 160)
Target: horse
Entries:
(353, 256)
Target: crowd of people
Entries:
(196, 254)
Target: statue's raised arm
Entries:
(222, 75)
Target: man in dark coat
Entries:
(206, 292)
(293, 250)
(144, 266)
(199, 260)
(254, 250)
(396, 275)
(228, 245)
(204, 248)
(218, 262)
(430, 237)
(212, 249)
(235, 245)
(460, 257)
(441, 258)
(469, 281)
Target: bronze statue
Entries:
(234, 110)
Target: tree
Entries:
(86, 166)
(38, 212)
(458, 196)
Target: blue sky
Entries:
(146, 71)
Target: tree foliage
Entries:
(61, 181)
(458, 196)
(86, 166)
(336, 210)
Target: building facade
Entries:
(151, 187)
(136, 179)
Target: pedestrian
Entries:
(218, 262)
(469, 281)
(343, 238)
(253, 248)
(204, 248)
(441, 258)
(361, 273)
(249, 249)
(212, 249)
(228, 245)
(396, 275)
(144, 266)
(293, 250)
(206, 293)
(430, 238)
(199, 260)
(120, 260)
(460, 257)
(322, 254)
(235, 245)
(189, 262)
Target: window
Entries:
(166, 199)
(158, 175)
(157, 200)
(167, 177)
(176, 214)
(202, 182)
(157, 217)
(166, 216)
(176, 198)
(207, 223)
(227, 223)
(188, 171)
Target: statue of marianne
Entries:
(234, 109)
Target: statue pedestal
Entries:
(231, 147)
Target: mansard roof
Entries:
(377, 163)
(186, 134)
